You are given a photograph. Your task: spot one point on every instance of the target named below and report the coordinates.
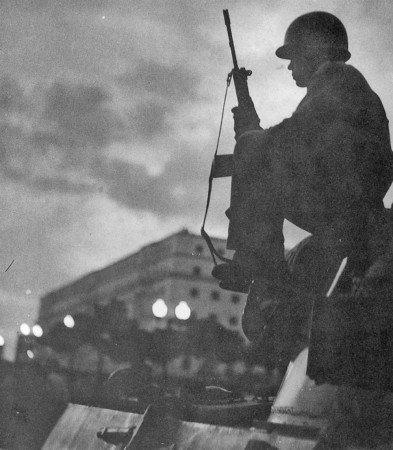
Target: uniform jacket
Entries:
(333, 155)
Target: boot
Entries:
(233, 277)
(237, 275)
(258, 253)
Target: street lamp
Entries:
(182, 311)
(69, 321)
(25, 329)
(37, 331)
(25, 343)
(159, 308)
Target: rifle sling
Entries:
(213, 175)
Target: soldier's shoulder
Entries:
(252, 137)
(342, 74)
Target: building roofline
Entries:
(93, 274)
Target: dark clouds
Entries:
(11, 96)
(74, 123)
(170, 82)
(156, 91)
(65, 149)
(172, 192)
(148, 119)
(43, 142)
(82, 116)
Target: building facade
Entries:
(167, 279)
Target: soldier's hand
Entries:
(250, 154)
(244, 120)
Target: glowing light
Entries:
(25, 329)
(30, 354)
(2, 341)
(159, 308)
(37, 331)
(69, 321)
(28, 292)
(183, 311)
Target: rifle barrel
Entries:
(231, 44)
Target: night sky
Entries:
(109, 114)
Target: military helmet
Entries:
(319, 31)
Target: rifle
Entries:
(223, 164)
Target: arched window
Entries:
(233, 320)
(215, 295)
(198, 249)
(194, 292)
(196, 271)
(235, 299)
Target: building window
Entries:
(198, 249)
(194, 292)
(235, 299)
(215, 295)
(186, 363)
(196, 270)
(233, 321)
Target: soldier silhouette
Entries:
(326, 169)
